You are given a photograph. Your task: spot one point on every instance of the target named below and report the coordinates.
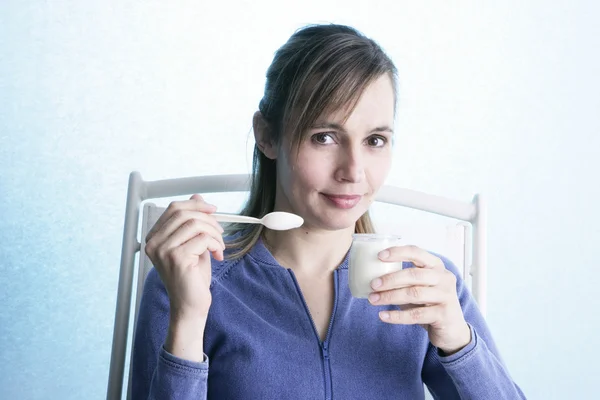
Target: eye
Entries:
(322, 138)
(377, 141)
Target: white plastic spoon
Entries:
(277, 221)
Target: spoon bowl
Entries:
(281, 221)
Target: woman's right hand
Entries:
(179, 246)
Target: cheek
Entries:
(309, 175)
(379, 169)
(299, 175)
(311, 170)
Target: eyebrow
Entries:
(338, 127)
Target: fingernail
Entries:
(376, 283)
(373, 297)
(384, 315)
(384, 254)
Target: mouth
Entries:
(343, 201)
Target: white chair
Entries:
(461, 237)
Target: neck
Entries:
(308, 252)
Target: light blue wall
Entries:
(496, 97)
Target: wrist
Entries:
(188, 312)
(463, 339)
(185, 339)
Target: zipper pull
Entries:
(325, 352)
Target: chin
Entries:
(341, 226)
(344, 220)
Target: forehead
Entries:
(374, 107)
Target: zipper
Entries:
(325, 344)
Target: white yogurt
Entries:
(364, 265)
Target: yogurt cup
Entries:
(363, 263)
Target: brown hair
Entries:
(321, 69)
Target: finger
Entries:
(407, 277)
(219, 255)
(190, 229)
(410, 306)
(216, 251)
(412, 316)
(409, 295)
(414, 254)
(195, 203)
(196, 247)
(180, 218)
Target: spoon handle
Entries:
(236, 218)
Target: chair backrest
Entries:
(459, 235)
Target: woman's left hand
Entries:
(428, 294)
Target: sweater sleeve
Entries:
(476, 371)
(157, 374)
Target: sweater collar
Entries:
(260, 252)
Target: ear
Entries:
(262, 136)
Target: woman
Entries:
(270, 315)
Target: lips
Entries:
(343, 201)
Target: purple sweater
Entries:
(260, 343)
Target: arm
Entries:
(156, 372)
(476, 371)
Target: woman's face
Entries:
(340, 166)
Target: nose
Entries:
(351, 167)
